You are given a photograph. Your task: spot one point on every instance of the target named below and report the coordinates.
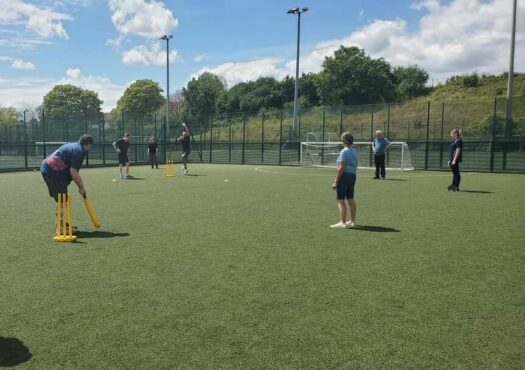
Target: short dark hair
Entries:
(86, 139)
(347, 138)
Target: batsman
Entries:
(63, 166)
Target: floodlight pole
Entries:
(297, 11)
(511, 70)
(167, 38)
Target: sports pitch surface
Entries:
(199, 272)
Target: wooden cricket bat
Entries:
(91, 212)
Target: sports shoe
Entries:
(450, 188)
(375, 177)
(350, 224)
(129, 177)
(338, 225)
(185, 172)
(121, 176)
(455, 188)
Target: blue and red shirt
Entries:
(60, 162)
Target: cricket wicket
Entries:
(170, 172)
(64, 227)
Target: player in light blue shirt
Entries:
(379, 147)
(344, 182)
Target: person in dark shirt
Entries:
(122, 146)
(456, 154)
(152, 152)
(185, 141)
(63, 166)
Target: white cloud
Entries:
(23, 92)
(143, 18)
(22, 64)
(151, 54)
(45, 22)
(456, 38)
(234, 73)
(73, 73)
(199, 58)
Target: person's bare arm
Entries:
(340, 170)
(78, 181)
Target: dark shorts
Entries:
(345, 188)
(55, 185)
(123, 159)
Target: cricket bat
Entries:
(91, 212)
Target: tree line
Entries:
(348, 77)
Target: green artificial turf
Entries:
(199, 272)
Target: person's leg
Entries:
(127, 168)
(342, 210)
(156, 161)
(353, 210)
(382, 165)
(377, 164)
(151, 160)
(456, 176)
(120, 169)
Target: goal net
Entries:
(324, 154)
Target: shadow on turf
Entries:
(477, 191)
(98, 234)
(133, 178)
(376, 229)
(13, 352)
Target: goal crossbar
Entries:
(324, 154)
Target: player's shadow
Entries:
(389, 179)
(376, 229)
(13, 352)
(134, 178)
(477, 191)
(98, 234)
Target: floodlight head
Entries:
(293, 11)
(166, 37)
(305, 9)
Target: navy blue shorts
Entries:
(55, 185)
(345, 188)
(123, 159)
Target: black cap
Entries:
(86, 139)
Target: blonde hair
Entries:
(152, 139)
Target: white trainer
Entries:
(338, 225)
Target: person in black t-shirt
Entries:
(456, 154)
(152, 152)
(185, 141)
(122, 146)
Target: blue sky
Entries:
(104, 45)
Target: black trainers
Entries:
(450, 188)
(375, 177)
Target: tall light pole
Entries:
(511, 70)
(167, 38)
(297, 11)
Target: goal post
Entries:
(324, 154)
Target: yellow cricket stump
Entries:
(64, 232)
(170, 171)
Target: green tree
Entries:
(308, 89)
(352, 77)
(9, 116)
(202, 93)
(140, 98)
(71, 100)
(410, 82)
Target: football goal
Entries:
(324, 154)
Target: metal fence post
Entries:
(340, 120)
(43, 135)
(230, 138)
(280, 138)
(428, 133)
(492, 143)
(211, 137)
(243, 136)
(262, 137)
(103, 139)
(441, 138)
(388, 122)
(25, 140)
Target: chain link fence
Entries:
(493, 142)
